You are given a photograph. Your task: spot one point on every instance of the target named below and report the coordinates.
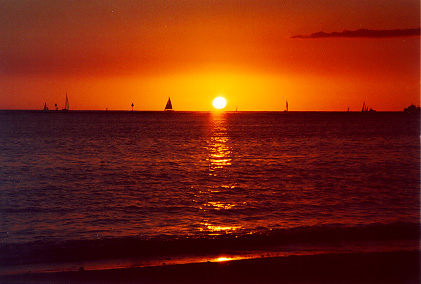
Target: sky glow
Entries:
(319, 55)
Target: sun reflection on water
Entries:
(218, 197)
(219, 150)
(219, 229)
(218, 205)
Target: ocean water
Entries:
(94, 186)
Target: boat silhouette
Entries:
(366, 109)
(168, 106)
(66, 106)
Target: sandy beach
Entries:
(386, 267)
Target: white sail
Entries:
(66, 106)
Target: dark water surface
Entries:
(101, 185)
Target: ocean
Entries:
(103, 189)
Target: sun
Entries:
(219, 103)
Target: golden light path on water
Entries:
(220, 159)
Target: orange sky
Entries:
(108, 54)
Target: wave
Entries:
(56, 251)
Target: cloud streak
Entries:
(362, 33)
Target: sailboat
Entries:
(66, 106)
(286, 105)
(45, 107)
(365, 108)
(168, 107)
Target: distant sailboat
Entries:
(286, 105)
(168, 107)
(66, 106)
(45, 107)
(365, 108)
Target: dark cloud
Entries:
(362, 33)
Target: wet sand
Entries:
(385, 267)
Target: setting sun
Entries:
(219, 103)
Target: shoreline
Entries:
(371, 267)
